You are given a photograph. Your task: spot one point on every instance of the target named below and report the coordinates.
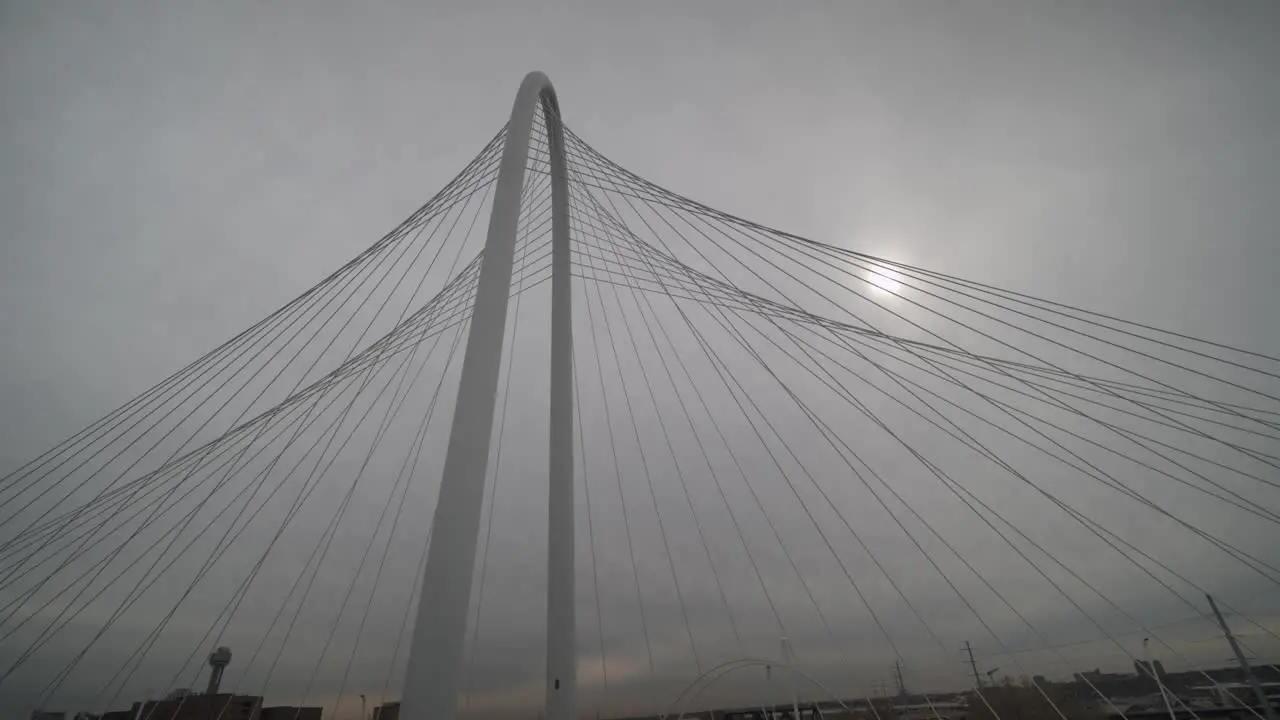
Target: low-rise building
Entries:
(223, 706)
(289, 712)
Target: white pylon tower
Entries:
(436, 652)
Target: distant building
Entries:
(1088, 685)
(47, 715)
(202, 707)
(1096, 676)
(387, 711)
(289, 712)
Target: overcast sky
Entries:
(171, 172)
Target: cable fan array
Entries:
(1009, 442)
(776, 438)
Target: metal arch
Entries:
(436, 651)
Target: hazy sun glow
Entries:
(884, 281)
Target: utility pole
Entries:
(362, 706)
(977, 679)
(1268, 711)
(897, 676)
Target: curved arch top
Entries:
(536, 85)
(436, 652)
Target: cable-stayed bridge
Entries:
(567, 439)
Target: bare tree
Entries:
(1025, 701)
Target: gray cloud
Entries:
(172, 173)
